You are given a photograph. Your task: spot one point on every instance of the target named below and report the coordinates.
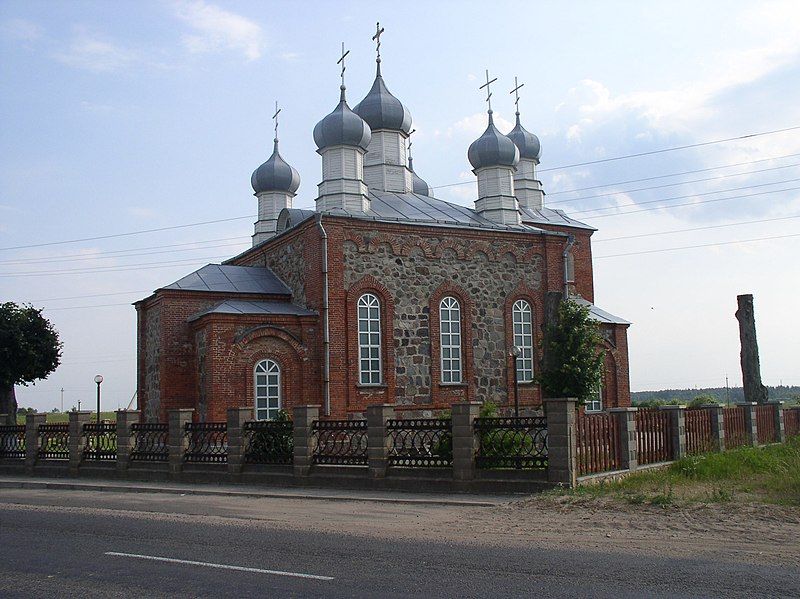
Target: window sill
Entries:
(451, 385)
(371, 386)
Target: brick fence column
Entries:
(628, 446)
(177, 437)
(303, 418)
(32, 422)
(236, 419)
(562, 466)
(677, 429)
(464, 446)
(780, 428)
(76, 422)
(717, 426)
(377, 440)
(750, 422)
(125, 420)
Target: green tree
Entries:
(29, 350)
(573, 364)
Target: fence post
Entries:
(236, 419)
(464, 447)
(76, 422)
(377, 441)
(717, 426)
(628, 447)
(32, 422)
(304, 417)
(177, 437)
(125, 420)
(780, 427)
(677, 430)
(562, 466)
(750, 422)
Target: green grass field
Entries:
(64, 417)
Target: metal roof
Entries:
(244, 307)
(381, 110)
(232, 279)
(598, 314)
(342, 127)
(549, 216)
(527, 143)
(275, 175)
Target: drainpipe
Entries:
(567, 248)
(326, 340)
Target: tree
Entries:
(574, 363)
(29, 350)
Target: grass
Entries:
(768, 474)
(53, 418)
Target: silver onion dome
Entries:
(492, 149)
(342, 127)
(381, 110)
(527, 143)
(275, 175)
(419, 186)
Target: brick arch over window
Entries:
(529, 393)
(442, 395)
(364, 395)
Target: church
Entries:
(383, 294)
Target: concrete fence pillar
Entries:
(377, 439)
(628, 446)
(717, 426)
(303, 418)
(562, 466)
(236, 441)
(750, 422)
(32, 422)
(677, 429)
(177, 437)
(464, 444)
(125, 420)
(76, 422)
(780, 428)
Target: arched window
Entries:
(369, 339)
(450, 339)
(268, 389)
(522, 317)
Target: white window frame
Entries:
(522, 324)
(451, 356)
(370, 363)
(268, 396)
(595, 402)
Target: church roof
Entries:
(550, 216)
(226, 278)
(258, 308)
(598, 314)
(275, 175)
(381, 110)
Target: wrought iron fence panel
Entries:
(206, 442)
(420, 442)
(269, 442)
(150, 442)
(100, 441)
(53, 441)
(342, 442)
(511, 442)
(12, 441)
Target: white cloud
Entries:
(475, 124)
(95, 54)
(216, 29)
(21, 30)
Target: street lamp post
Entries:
(98, 379)
(516, 351)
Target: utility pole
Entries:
(754, 390)
(62, 400)
(727, 392)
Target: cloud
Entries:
(92, 53)
(474, 125)
(216, 29)
(21, 30)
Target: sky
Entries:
(122, 117)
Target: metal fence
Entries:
(653, 436)
(342, 442)
(765, 424)
(699, 436)
(53, 441)
(207, 442)
(100, 441)
(511, 442)
(735, 430)
(268, 442)
(420, 442)
(12, 441)
(149, 443)
(597, 443)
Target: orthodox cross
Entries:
(341, 61)
(515, 91)
(275, 118)
(410, 143)
(488, 89)
(377, 38)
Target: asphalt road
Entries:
(63, 550)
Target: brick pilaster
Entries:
(177, 437)
(377, 439)
(236, 419)
(32, 422)
(677, 429)
(125, 420)
(628, 447)
(76, 422)
(717, 426)
(304, 417)
(464, 445)
(562, 466)
(750, 422)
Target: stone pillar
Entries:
(304, 417)
(236, 419)
(464, 445)
(628, 447)
(562, 466)
(780, 429)
(717, 426)
(125, 420)
(750, 422)
(377, 439)
(177, 437)
(677, 429)
(32, 422)
(76, 422)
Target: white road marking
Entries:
(172, 560)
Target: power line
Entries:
(703, 245)
(80, 307)
(104, 269)
(57, 299)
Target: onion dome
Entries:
(527, 143)
(381, 110)
(420, 187)
(275, 175)
(342, 127)
(492, 149)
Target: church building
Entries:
(381, 294)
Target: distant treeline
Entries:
(735, 394)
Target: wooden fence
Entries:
(597, 443)
(765, 423)
(699, 436)
(791, 422)
(653, 436)
(735, 430)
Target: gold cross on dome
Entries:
(488, 89)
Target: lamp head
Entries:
(516, 351)
(98, 379)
